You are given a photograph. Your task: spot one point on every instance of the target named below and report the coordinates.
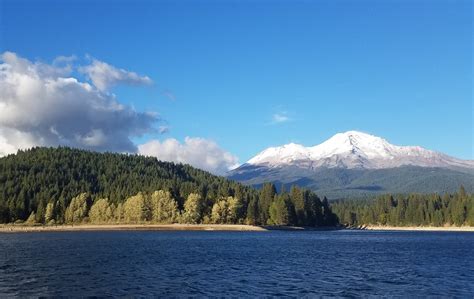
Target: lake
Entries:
(239, 264)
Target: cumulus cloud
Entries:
(104, 75)
(42, 105)
(45, 105)
(198, 152)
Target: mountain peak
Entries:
(356, 134)
(357, 137)
(354, 149)
(352, 142)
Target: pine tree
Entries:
(253, 212)
(299, 201)
(40, 211)
(329, 218)
(281, 211)
(267, 194)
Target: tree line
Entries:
(64, 185)
(160, 207)
(455, 209)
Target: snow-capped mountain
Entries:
(355, 149)
(356, 164)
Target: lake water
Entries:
(170, 264)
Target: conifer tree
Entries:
(298, 199)
(281, 210)
(253, 212)
(40, 210)
(267, 194)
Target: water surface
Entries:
(199, 263)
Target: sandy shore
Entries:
(15, 228)
(423, 228)
(10, 228)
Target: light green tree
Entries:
(32, 218)
(164, 208)
(193, 209)
(49, 213)
(136, 209)
(236, 210)
(227, 210)
(77, 209)
(101, 211)
(220, 211)
(118, 213)
(280, 212)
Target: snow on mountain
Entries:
(355, 149)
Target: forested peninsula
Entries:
(72, 186)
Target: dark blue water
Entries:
(339, 263)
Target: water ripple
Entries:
(237, 264)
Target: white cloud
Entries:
(64, 59)
(279, 118)
(198, 152)
(104, 75)
(44, 105)
(41, 105)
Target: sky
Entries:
(213, 83)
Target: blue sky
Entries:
(253, 74)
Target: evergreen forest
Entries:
(409, 210)
(64, 186)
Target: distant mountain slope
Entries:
(355, 164)
(341, 183)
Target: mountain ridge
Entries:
(356, 164)
(354, 149)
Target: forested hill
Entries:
(46, 185)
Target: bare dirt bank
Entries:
(423, 228)
(12, 228)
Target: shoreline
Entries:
(18, 228)
(420, 228)
(9, 228)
